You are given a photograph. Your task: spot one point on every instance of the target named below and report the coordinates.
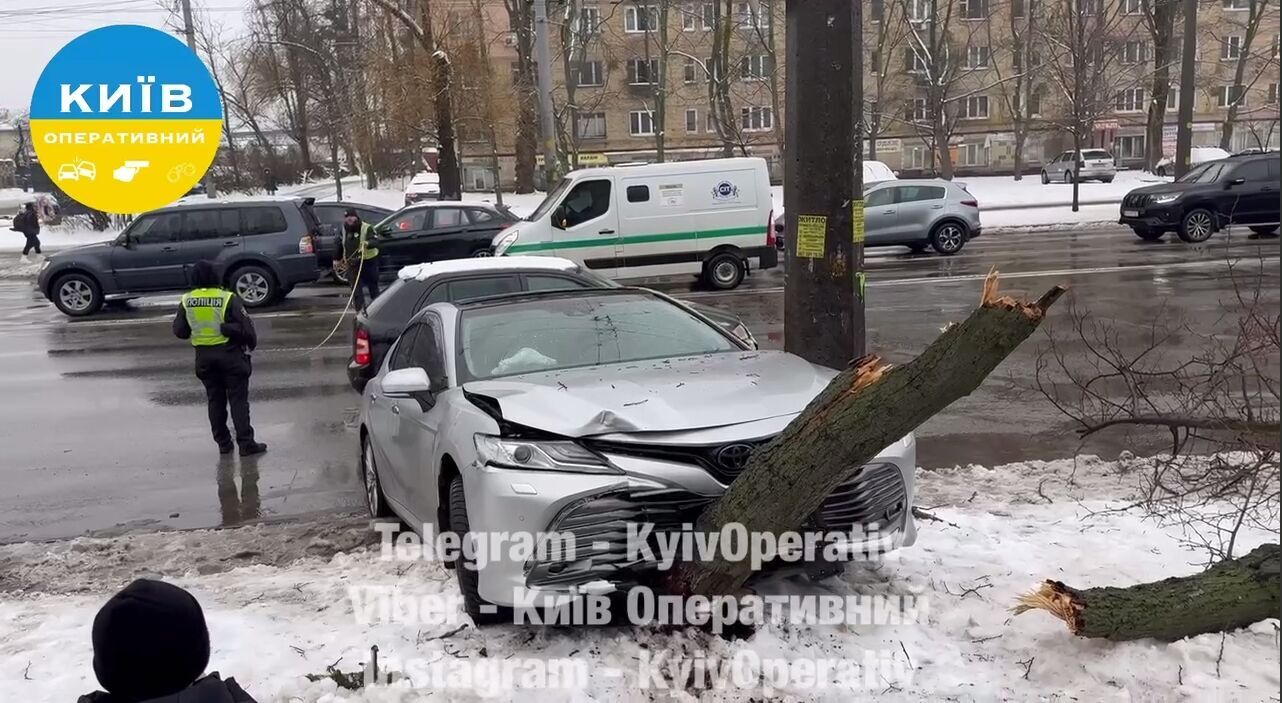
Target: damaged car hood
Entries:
(663, 395)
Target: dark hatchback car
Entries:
(1239, 190)
(437, 231)
(378, 327)
(330, 215)
(263, 248)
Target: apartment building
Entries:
(626, 73)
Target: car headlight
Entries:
(543, 455)
(1165, 198)
(45, 264)
(505, 241)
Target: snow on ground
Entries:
(276, 600)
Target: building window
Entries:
(1031, 101)
(919, 10)
(1235, 4)
(711, 122)
(975, 107)
(913, 61)
(974, 154)
(1134, 52)
(690, 71)
(590, 125)
(692, 121)
(641, 123)
(696, 17)
(1231, 95)
(917, 158)
(1231, 48)
(1132, 7)
(757, 67)
(878, 10)
(1128, 147)
(1016, 8)
(751, 14)
(1173, 99)
(1273, 93)
(640, 19)
(589, 73)
(589, 21)
(874, 60)
(976, 57)
(756, 119)
(643, 71)
(915, 111)
(974, 9)
(1092, 7)
(1017, 59)
(1130, 100)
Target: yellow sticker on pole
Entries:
(857, 213)
(811, 230)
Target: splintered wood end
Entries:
(1055, 598)
(868, 370)
(1034, 310)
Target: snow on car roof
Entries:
(422, 272)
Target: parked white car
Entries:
(423, 186)
(1091, 165)
(579, 412)
(1197, 155)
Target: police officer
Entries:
(361, 254)
(215, 321)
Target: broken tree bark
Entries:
(865, 409)
(1231, 594)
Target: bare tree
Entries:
(521, 24)
(1159, 18)
(1019, 90)
(885, 92)
(1085, 39)
(1238, 44)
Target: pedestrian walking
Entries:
(215, 321)
(360, 254)
(151, 645)
(269, 181)
(28, 223)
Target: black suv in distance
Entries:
(436, 231)
(1239, 190)
(262, 247)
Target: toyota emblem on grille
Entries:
(733, 457)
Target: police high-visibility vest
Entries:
(206, 312)
(367, 231)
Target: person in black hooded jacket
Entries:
(150, 645)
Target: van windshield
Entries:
(549, 202)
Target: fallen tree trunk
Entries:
(1231, 594)
(865, 409)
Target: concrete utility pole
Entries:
(823, 313)
(543, 57)
(1188, 78)
(190, 30)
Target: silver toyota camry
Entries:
(575, 413)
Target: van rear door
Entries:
(585, 225)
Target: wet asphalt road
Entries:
(103, 424)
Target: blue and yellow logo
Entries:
(126, 119)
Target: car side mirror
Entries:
(406, 383)
(1234, 182)
(124, 241)
(779, 227)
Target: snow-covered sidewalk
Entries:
(277, 602)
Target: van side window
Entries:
(262, 220)
(588, 200)
(638, 194)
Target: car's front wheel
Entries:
(1148, 235)
(481, 611)
(947, 238)
(255, 285)
(1106, 180)
(1161, 172)
(1068, 176)
(723, 271)
(1198, 226)
(374, 499)
(77, 294)
(483, 253)
(1045, 178)
(1265, 231)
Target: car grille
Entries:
(875, 494)
(1136, 200)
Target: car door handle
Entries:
(396, 410)
(373, 397)
(936, 207)
(231, 243)
(606, 231)
(168, 249)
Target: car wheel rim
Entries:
(725, 272)
(252, 287)
(483, 254)
(371, 481)
(75, 295)
(950, 238)
(1199, 227)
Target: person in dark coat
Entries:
(151, 645)
(28, 223)
(269, 181)
(215, 321)
(360, 251)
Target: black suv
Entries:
(1239, 190)
(262, 247)
(419, 286)
(436, 231)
